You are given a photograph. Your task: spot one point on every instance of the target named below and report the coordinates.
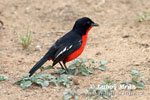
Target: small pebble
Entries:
(76, 81)
(98, 53)
(38, 48)
(125, 36)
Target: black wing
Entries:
(65, 50)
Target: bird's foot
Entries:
(69, 72)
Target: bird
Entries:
(69, 46)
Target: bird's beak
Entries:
(94, 24)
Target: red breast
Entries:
(80, 50)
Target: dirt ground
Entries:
(50, 19)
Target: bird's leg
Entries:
(64, 63)
(61, 65)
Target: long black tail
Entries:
(46, 57)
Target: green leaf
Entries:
(26, 77)
(67, 91)
(93, 61)
(102, 67)
(76, 97)
(55, 82)
(83, 66)
(33, 79)
(140, 85)
(42, 83)
(45, 75)
(134, 71)
(3, 78)
(103, 62)
(90, 70)
(77, 88)
(68, 84)
(85, 60)
(63, 79)
(27, 33)
(107, 96)
(39, 81)
(134, 82)
(107, 81)
(76, 61)
(61, 71)
(25, 84)
(45, 84)
(143, 81)
(23, 39)
(86, 73)
(47, 67)
(72, 67)
(51, 77)
(89, 91)
(67, 97)
(18, 82)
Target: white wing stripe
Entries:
(61, 52)
(69, 47)
(65, 49)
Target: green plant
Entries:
(3, 78)
(44, 79)
(84, 66)
(143, 17)
(136, 79)
(63, 80)
(25, 41)
(47, 67)
(77, 67)
(71, 94)
(102, 65)
(101, 91)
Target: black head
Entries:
(84, 23)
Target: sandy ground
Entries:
(50, 19)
